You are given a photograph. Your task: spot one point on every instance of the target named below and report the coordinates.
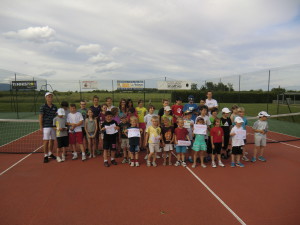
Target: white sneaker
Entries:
(83, 157)
(158, 157)
(203, 165)
(137, 164)
(58, 159)
(183, 164)
(75, 155)
(148, 163)
(194, 166)
(170, 164)
(213, 165)
(154, 164)
(90, 156)
(177, 163)
(221, 164)
(245, 158)
(63, 158)
(146, 157)
(132, 164)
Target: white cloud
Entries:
(89, 49)
(108, 67)
(99, 58)
(35, 34)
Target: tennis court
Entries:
(76, 192)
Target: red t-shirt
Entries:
(217, 134)
(177, 110)
(181, 133)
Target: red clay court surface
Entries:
(76, 192)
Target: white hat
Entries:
(238, 120)
(225, 110)
(167, 108)
(48, 93)
(61, 112)
(263, 113)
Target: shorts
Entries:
(168, 147)
(142, 125)
(245, 141)
(134, 148)
(124, 143)
(237, 150)
(62, 141)
(260, 140)
(109, 146)
(153, 147)
(48, 134)
(199, 147)
(91, 134)
(226, 141)
(217, 149)
(181, 149)
(208, 143)
(75, 138)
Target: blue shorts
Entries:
(181, 149)
(134, 148)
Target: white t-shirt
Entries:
(110, 107)
(211, 103)
(147, 119)
(235, 141)
(206, 120)
(75, 118)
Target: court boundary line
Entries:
(12, 166)
(18, 138)
(215, 195)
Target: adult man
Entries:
(47, 114)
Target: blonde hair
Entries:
(241, 109)
(179, 119)
(166, 119)
(154, 118)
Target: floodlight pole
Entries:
(17, 97)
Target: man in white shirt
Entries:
(210, 102)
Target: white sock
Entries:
(83, 153)
(112, 159)
(105, 160)
(46, 155)
(49, 153)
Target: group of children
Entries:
(196, 132)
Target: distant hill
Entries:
(4, 87)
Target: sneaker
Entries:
(75, 156)
(221, 164)
(124, 161)
(113, 162)
(170, 164)
(94, 156)
(52, 156)
(213, 165)
(132, 164)
(90, 156)
(154, 164)
(129, 161)
(246, 153)
(58, 159)
(245, 158)
(148, 163)
(137, 164)
(146, 156)
(63, 158)
(253, 159)
(83, 157)
(177, 163)
(164, 164)
(203, 165)
(183, 164)
(240, 165)
(158, 157)
(194, 166)
(46, 159)
(167, 156)
(190, 160)
(261, 158)
(232, 164)
(106, 164)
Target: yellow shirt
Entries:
(141, 112)
(154, 134)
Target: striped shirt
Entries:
(49, 113)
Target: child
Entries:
(153, 137)
(181, 134)
(161, 111)
(191, 106)
(188, 124)
(65, 106)
(59, 124)
(217, 142)
(241, 113)
(75, 120)
(134, 142)
(109, 104)
(101, 119)
(237, 142)
(83, 111)
(210, 102)
(199, 144)
(129, 104)
(226, 126)
(167, 111)
(148, 117)
(110, 129)
(260, 128)
(177, 110)
(141, 112)
(91, 128)
(234, 113)
(124, 138)
(214, 114)
(115, 113)
(167, 140)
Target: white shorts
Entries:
(168, 147)
(260, 140)
(125, 143)
(154, 147)
(48, 134)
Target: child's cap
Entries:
(225, 110)
(178, 99)
(61, 112)
(48, 93)
(187, 112)
(238, 120)
(167, 108)
(263, 113)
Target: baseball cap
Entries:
(48, 93)
(238, 120)
(167, 108)
(225, 110)
(263, 113)
(61, 112)
(187, 112)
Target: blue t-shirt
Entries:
(191, 107)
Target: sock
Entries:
(83, 153)
(49, 153)
(111, 159)
(105, 160)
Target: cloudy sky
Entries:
(134, 39)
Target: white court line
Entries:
(215, 195)
(20, 161)
(18, 138)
